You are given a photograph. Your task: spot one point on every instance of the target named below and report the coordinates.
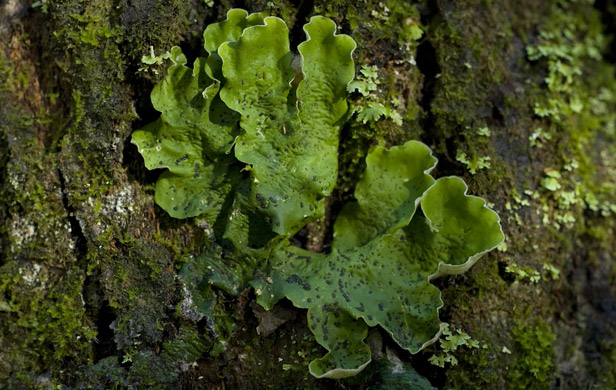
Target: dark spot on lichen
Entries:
(307, 258)
(261, 200)
(296, 279)
(181, 159)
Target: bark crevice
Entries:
(81, 243)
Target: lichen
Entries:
(376, 260)
(449, 343)
(287, 141)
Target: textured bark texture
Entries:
(517, 97)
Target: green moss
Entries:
(575, 101)
(293, 360)
(49, 320)
(475, 369)
(160, 25)
(106, 372)
(576, 105)
(176, 356)
(43, 319)
(294, 348)
(534, 347)
(48, 329)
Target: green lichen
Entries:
(278, 139)
(274, 133)
(397, 82)
(475, 163)
(377, 260)
(370, 108)
(522, 273)
(287, 141)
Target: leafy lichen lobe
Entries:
(384, 254)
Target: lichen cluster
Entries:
(250, 147)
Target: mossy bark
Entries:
(520, 93)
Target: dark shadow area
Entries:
(497, 118)
(607, 8)
(81, 244)
(427, 63)
(598, 305)
(105, 336)
(508, 277)
(135, 165)
(102, 315)
(297, 34)
(436, 375)
(427, 11)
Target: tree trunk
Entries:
(516, 97)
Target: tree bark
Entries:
(516, 97)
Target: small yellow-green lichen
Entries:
(449, 343)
